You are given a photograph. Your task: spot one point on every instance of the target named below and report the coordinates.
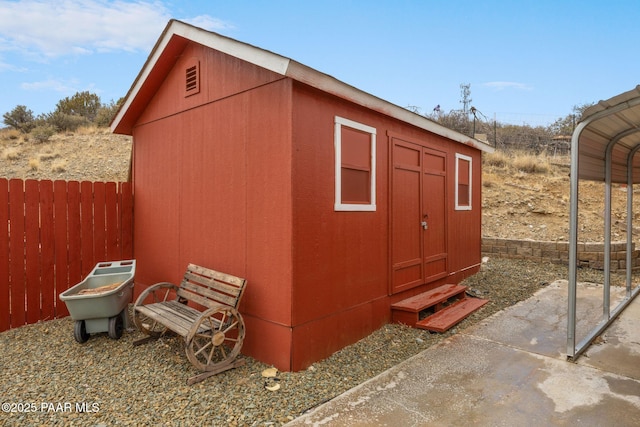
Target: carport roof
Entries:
(603, 148)
(613, 125)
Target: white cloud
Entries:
(55, 28)
(5, 66)
(508, 85)
(209, 23)
(50, 84)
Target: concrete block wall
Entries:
(589, 254)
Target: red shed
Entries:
(332, 203)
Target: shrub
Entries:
(106, 113)
(87, 130)
(11, 153)
(531, 164)
(497, 159)
(34, 164)
(84, 104)
(49, 154)
(20, 118)
(64, 122)
(12, 134)
(42, 133)
(59, 165)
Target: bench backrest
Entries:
(209, 287)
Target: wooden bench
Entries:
(203, 310)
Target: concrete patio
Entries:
(510, 369)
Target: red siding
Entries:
(342, 260)
(240, 178)
(221, 76)
(207, 190)
(465, 228)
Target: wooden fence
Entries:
(52, 233)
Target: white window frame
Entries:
(339, 206)
(470, 160)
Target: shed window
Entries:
(355, 150)
(192, 78)
(463, 182)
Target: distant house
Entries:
(333, 203)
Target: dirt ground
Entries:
(516, 203)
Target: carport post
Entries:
(573, 241)
(628, 266)
(606, 297)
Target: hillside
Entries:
(524, 197)
(528, 197)
(89, 154)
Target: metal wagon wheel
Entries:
(160, 292)
(80, 331)
(215, 339)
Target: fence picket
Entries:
(47, 254)
(111, 215)
(5, 321)
(125, 219)
(99, 223)
(75, 244)
(32, 249)
(87, 261)
(51, 235)
(16, 253)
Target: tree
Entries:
(564, 126)
(107, 112)
(457, 120)
(20, 118)
(84, 104)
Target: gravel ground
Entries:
(47, 378)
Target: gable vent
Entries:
(192, 78)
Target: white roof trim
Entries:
(289, 68)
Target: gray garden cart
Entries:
(99, 303)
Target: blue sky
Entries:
(525, 61)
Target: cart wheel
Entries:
(154, 294)
(215, 339)
(80, 331)
(116, 326)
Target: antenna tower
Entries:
(465, 94)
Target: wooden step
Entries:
(428, 299)
(445, 319)
(408, 310)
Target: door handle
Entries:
(424, 225)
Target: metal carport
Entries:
(603, 148)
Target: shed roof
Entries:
(177, 35)
(612, 125)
